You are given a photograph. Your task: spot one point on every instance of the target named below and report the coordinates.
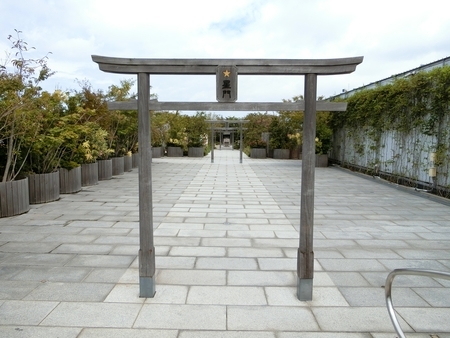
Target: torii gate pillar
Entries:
(147, 248)
(305, 254)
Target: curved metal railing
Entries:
(388, 290)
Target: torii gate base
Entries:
(310, 68)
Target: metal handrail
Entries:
(388, 290)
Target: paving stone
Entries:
(225, 263)
(192, 317)
(7, 272)
(351, 319)
(436, 297)
(117, 240)
(426, 320)
(70, 292)
(326, 335)
(370, 296)
(90, 224)
(273, 318)
(38, 332)
(227, 242)
(226, 334)
(14, 312)
(69, 238)
(126, 333)
(371, 253)
(255, 252)
(52, 274)
(226, 295)
(101, 261)
(28, 247)
(412, 335)
(197, 251)
(251, 234)
(428, 264)
(192, 277)
(274, 264)
(129, 250)
(351, 264)
(322, 296)
(261, 278)
(105, 275)
(84, 314)
(350, 279)
(175, 262)
(16, 289)
(83, 248)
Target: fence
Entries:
(403, 157)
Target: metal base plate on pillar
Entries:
(146, 287)
(304, 289)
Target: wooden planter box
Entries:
(69, 180)
(196, 151)
(127, 163)
(281, 154)
(174, 152)
(89, 174)
(104, 170)
(322, 161)
(135, 160)
(14, 198)
(43, 188)
(157, 152)
(258, 153)
(117, 166)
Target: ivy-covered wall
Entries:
(396, 128)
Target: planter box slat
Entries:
(174, 152)
(321, 160)
(3, 201)
(127, 163)
(43, 188)
(258, 153)
(14, 198)
(10, 200)
(89, 174)
(156, 152)
(135, 160)
(196, 151)
(15, 201)
(69, 180)
(281, 154)
(104, 170)
(117, 166)
(24, 197)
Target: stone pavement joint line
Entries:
(226, 239)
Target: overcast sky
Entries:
(393, 36)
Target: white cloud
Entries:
(393, 36)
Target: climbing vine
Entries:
(396, 126)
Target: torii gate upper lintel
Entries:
(310, 68)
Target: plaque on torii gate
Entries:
(310, 68)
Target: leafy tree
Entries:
(177, 135)
(126, 137)
(257, 124)
(159, 128)
(197, 129)
(86, 108)
(20, 115)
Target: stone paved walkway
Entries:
(226, 236)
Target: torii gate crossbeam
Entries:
(309, 68)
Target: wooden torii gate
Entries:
(227, 128)
(226, 71)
